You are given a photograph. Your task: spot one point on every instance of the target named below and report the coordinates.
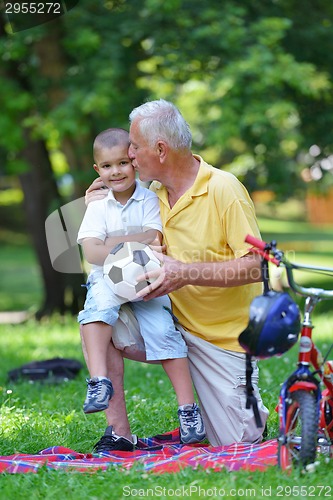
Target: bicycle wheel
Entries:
(298, 444)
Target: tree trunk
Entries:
(40, 193)
(62, 292)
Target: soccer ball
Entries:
(124, 264)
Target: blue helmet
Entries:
(273, 327)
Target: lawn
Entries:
(35, 416)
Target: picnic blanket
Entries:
(158, 454)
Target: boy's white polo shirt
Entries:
(108, 217)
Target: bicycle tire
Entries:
(298, 443)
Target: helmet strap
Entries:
(265, 275)
(251, 400)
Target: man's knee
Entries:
(126, 336)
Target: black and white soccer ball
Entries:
(124, 264)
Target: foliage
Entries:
(255, 88)
(247, 76)
(243, 86)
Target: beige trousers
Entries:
(219, 379)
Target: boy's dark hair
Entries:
(109, 138)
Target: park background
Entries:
(253, 79)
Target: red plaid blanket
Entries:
(159, 454)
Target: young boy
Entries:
(129, 213)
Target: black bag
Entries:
(53, 370)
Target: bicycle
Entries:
(305, 411)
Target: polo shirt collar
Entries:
(138, 195)
(200, 185)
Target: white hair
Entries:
(162, 120)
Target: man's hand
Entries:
(157, 248)
(169, 277)
(96, 191)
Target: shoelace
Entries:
(94, 388)
(191, 417)
(106, 442)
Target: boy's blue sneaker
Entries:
(192, 429)
(99, 393)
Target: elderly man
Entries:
(209, 273)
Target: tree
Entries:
(40, 190)
(249, 77)
(254, 87)
(57, 94)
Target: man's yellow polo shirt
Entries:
(209, 224)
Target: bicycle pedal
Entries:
(323, 446)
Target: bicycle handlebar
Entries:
(265, 249)
(256, 242)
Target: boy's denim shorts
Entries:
(156, 321)
(100, 304)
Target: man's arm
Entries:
(241, 271)
(175, 274)
(96, 191)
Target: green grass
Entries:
(61, 404)
(299, 237)
(21, 287)
(37, 416)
